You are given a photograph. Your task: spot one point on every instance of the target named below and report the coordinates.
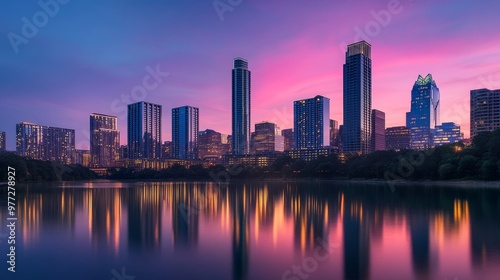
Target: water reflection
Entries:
(249, 231)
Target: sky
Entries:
(62, 60)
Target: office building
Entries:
(144, 130)
(311, 123)
(185, 123)
(378, 130)
(104, 140)
(447, 133)
(397, 138)
(241, 105)
(45, 143)
(424, 114)
(210, 144)
(357, 134)
(288, 139)
(267, 138)
(3, 140)
(82, 157)
(484, 111)
(167, 150)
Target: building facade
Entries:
(144, 130)
(104, 140)
(288, 139)
(45, 143)
(447, 133)
(185, 124)
(378, 130)
(397, 138)
(267, 138)
(357, 126)
(484, 111)
(3, 142)
(210, 144)
(241, 107)
(424, 114)
(311, 123)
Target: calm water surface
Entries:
(258, 230)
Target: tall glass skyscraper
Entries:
(45, 143)
(357, 127)
(104, 140)
(144, 130)
(311, 123)
(378, 130)
(424, 114)
(484, 110)
(241, 77)
(185, 123)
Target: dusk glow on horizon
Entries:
(97, 57)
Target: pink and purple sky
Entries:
(90, 55)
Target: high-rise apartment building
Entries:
(45, 143)
(144, 130)
(185, 123)
(267, 138)
(484, 111)
(241, 105)
(104, 140)
(311, 123)
(357, 127)
(378, 130)
(424, 114)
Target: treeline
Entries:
(481, 161)
(37, 170)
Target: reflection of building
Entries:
(267, 138)
(378, 130)
(424, 113)
(311, 123)
(357, 134)
(185, 122)
(484, 110)
(241, 107)
(144, 218)
(356, 241)
(3, 145)
(241, 232)
(420, 244)
(104, 140)
(185, 216)
(447, 133)
(144, 130)
(44, 142)
(397, 138)
(288, 139)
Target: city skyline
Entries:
(311, 53)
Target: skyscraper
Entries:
(185, 122)
(484, 110)
(378, 130)
(144, 130)
(357, 134)
(267, 138)
(45, 143)
(2, 141)
(424, 114)
(397, 138)
(104, 140)
(334, 133)
(311, 123)
(241, 88)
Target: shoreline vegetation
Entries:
(453, 163)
